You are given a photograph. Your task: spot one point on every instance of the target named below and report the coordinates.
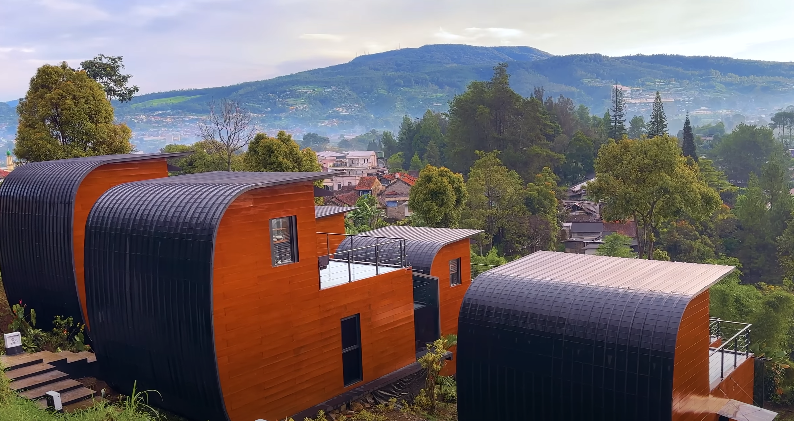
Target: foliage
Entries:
(433, 361)
(65, 115)
(203, 157)
(447, 389)
(745, 150)
(315, 141)
(637, 127)
(661, 255)
(657, 126)
(438, 197)
(416, 163)
(107, 71)
(367, 216)
(227, 128)
(491, 116)
(617, 112)
(616, 245)
(389, 144)
(279, 154)
(490, 260)
(688, 141)
(395, 163)
(579, 159)
(65, 335)
(650, 182)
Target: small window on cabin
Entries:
(454, 272)
(284, 240)
(339, 186)
(352, 371)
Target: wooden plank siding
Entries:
(334, 224)
(451, 297)
(277, 335)
(691, 363)
(94, 185)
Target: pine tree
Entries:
(617, 124)
(688, 144)
(658, 124)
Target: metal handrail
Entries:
(349, 258)
(715, 325)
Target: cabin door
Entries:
(427, 324)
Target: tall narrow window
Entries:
(454, 272)
(284, 240)
(352, 370)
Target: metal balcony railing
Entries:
(349, 258)
(738, 341)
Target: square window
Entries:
(283, 240)
(454, 272)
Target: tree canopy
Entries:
(107, 71)
(688, 141)
(650, 182)
(745, 150)
(616, 245)
(279, 154)
(204, 157)
(657, 126)
(437, 197)
(65, 114)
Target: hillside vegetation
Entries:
(377, 90)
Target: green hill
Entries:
(377, 90)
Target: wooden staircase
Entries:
(33, 375)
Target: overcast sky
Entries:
(175, 44)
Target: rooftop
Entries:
(256, 179)
(424, 234)
(366, 183)
(323, 211)
(615, 272)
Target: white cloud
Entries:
(494, 32)
(323, 37)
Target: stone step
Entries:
(28, 371)
(59, 386)
(70, 397)
(11, 362)
(37, 380)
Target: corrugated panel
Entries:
(442, 236)
(649, 275)
(36, 217)
(545, 350)
(324, 211)
(149, 254)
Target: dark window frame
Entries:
(291, 230)
(455, 277)
(352, 354)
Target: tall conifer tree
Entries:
(658, 124)
(688, 142)
(617, 124)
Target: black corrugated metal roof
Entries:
(150, 245)
(36, 244)
(323, 211)
(603, 326)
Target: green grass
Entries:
(163, 101)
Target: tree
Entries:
(366, 216)
(658, 124)
(315, 141)
(432, 154)
(616, 245)
(649, 182)
(279, 154)
(395, 163)
(203, 157)
(688, 141)
(416, 163)
(390, 146)
(496, 199)
(229, 127)
(745, 151)
(437, 197)
(345, 144)
(617, 127)
(65, 114)
(579, 159)
(491, 116)
(490, 260)
(636, 127)
(107, 71)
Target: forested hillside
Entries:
(377, 90)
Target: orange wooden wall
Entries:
(333, 224)
(738, 385)
(451, 297)
(691, 370)
(277, 335)
(94, 185)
